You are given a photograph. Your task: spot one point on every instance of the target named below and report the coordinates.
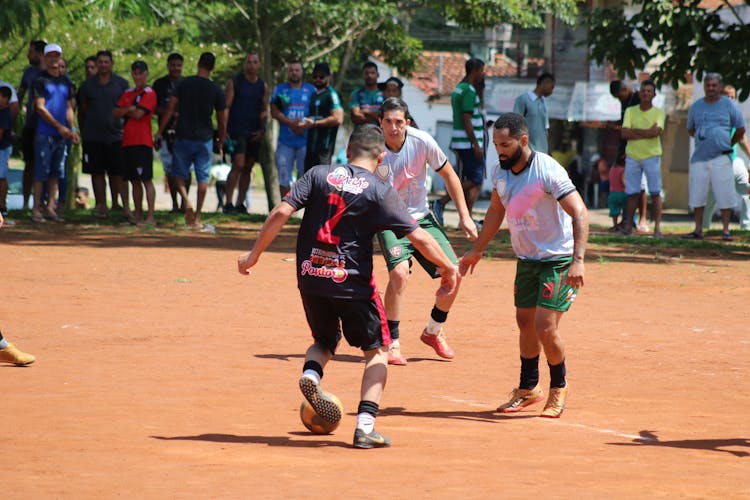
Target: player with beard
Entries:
(548, 225)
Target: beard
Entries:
(511, 162)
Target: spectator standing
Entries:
(617, 200)
(739, 169)
(102, 135)
(322, 124)
(6, 142)
(642, 127)
(164, 87)
(90, 67)
(532, 105)
(137, 106)
(365, 101)
(54, 96)
(468, 136)
(711, 121)
(247, 100)
(548, 225)
(30, 74)
(196, 98)
(290, 104)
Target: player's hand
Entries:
(469, 228)
(478, 152)
(448, 281)
(575, 274)
(469, 261)
(246, 261)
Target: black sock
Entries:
(557, 375)
(368, 407)
(529, 373)
(393, 327)
(438, 315)
(313, 365)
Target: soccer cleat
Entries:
(12, 354)
(438, 209)
(371, 440)
(319, 400)
(395, 357)
(555, 402)
(438, 343)
(520, 399)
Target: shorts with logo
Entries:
(397, 250)
(101, 158)
(362, 321)
(469, 167)
(542, 284)
(139, 162)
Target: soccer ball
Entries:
(314, 422)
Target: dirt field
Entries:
(162, 373)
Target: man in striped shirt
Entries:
(467, 139)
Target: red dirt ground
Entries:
(163, 373)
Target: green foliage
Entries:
(475, 14)
(680, 34)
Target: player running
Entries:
(345, 205)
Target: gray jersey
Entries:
(409, 169)
(539, 227)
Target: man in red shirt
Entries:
(137, 106)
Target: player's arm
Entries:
(469, 128)
(275, 221)
(737, 137)
(357, 115)
(492, 221)
(574, 206)
(427, 246)
(335, 119)
(456, 192)
(70, 116)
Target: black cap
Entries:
(322, 68)
(139, 65)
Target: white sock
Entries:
(312, 375)
(396, 344)
(433, 327)
(366, 422)
(3, 343)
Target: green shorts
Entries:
(542, 284)
(398, 250)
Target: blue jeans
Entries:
(286, 158)
(49, 157)
(197, 153)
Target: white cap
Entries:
(52, 47)
(595, 157)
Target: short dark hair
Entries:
(472, 64)
(175, 56)
(615, 86)
(649, 82)
(369, 64)
(140, 66)
(515, 124)
(38, 45)
(544, 77)
(393, 104)
(104, 53)
(90, 58)
(322, 68)
(5, 92)
(366, 140)
(207, 61)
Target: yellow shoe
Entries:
(12, 354)
(555, 402)
(520, 399)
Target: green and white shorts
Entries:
(542, 284)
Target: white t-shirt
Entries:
(539, 227)
(409, 169)
(13, 95)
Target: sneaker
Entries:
(228, 209)
(438, 209)
(520, 399)
(395, 357)
(371, 440)
(240, 209)
(13, 355)
(555, 402)
(319, 400)
(438, 343)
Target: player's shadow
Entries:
(649, 438)
(488, 416)
(346, 358)
(267, 440)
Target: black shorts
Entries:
(363, 321)
(243, 146)
(101, 158)
(27, 146)
(139, 161)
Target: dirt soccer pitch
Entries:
(163, 373)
